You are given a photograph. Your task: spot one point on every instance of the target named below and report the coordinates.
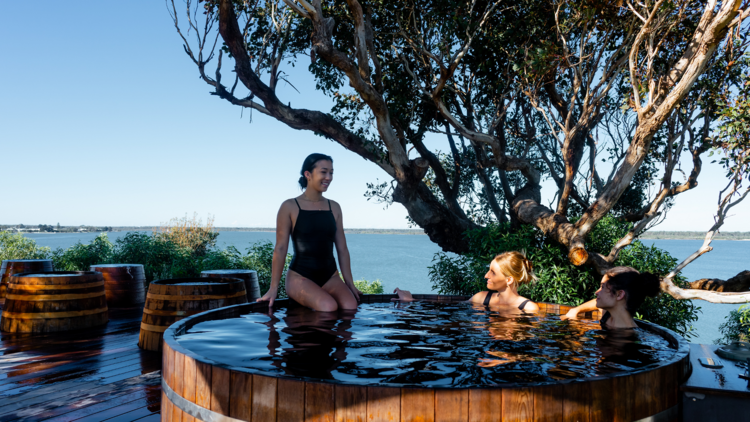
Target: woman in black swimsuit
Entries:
(506, 272)
(622, 291)
(315, 225)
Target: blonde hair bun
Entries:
(515, 264)
(529, 266)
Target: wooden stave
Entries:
(124, 284)
(306, 400)
(117, 298)
(33, 305)
(252, 285)
(9, 267)
(161, 295)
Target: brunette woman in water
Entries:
(507, 270)
(315, 224)
(622, 291)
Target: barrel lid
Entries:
(115, 265)
(197, 281)
(26, 260)
(55, 274)
(228, 272)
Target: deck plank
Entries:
(91, 375)
(85, 406)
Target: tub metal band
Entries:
(664, 416)
(193, 409)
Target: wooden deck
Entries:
(92, 375)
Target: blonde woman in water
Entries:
(507, 271)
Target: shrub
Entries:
(736, 327)
(160, 257)
(189, 233)
(559, 280)
(18, 246)
(80, 257)
(259, 257)
(369, 287)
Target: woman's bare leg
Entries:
(309, 294)
(336, 287)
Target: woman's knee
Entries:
(327, 304)
(348, 302)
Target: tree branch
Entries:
(711, 30)
(725, 204)
(296, 118)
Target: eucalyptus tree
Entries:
(604, 98)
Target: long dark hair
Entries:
(637, 286)
(309, 165)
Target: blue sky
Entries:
(104, 121)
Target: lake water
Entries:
(402, 261)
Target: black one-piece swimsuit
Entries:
(489, 296)
(312, 238)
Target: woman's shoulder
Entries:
(335, 207)
(479, 297)
(529, 305)
(289, 205)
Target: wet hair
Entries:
(309, 165)
(514, 264)
(636, 285)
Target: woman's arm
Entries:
(283, 229)
(584, 307)
(403, 295)
(343, 251)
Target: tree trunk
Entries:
(440, 224)
(738, 283)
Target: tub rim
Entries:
(681, 346)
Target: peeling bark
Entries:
(439, 223)
(738, 283)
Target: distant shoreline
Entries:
(351, 231)
(665, 235)
(242, 229)
(654, 235)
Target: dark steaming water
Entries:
(423, 343)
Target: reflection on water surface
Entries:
(424, 343)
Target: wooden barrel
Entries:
(249, 276)
(124, 284)
(169, 301)
(44, 302)
(197, 388)
(15, 266)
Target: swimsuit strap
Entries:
(523, 304)
(605, 318)
(329, 204)
(487, 298)
(295, 201)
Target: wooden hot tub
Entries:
(197, 388)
